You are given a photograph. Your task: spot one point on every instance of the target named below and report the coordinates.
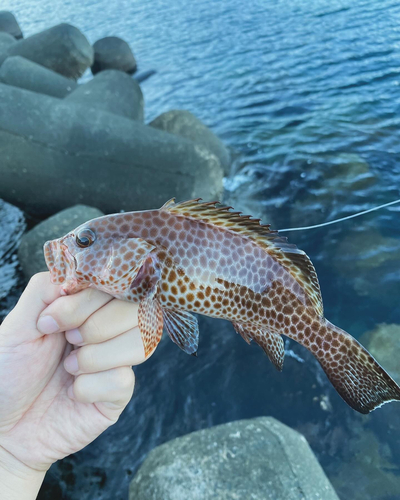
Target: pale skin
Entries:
(65, 377)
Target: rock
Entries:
(384, 344)
(367, 259)
(8, 24)
(112, 52)
(30, 252)
(63, 49)
(184, 124)
(21, 72)
(12, 226)
(144, 75)
(371, 467)
(111, 91)
(259, 459)
(330, 183)
(5, 41)
(54, 151)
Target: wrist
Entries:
(17, 480)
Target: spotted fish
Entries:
(194, 257)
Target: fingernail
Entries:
(74, 336)
(47, 324)
(71, 363)
(70, 392)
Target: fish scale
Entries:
(194, 257)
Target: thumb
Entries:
(20, 324)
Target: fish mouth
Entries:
(59, 261)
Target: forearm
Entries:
(17, 481)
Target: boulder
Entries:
(54, 151)
(30, 252)
(63, 49)
(329, 183)
(112, 52)
(21, 72)
(5, 41)
(259, 459)
(144, 75)
(366, 258)
(8, 24)
(12, 225)
(111, 91)
(370, 465)
(384, 344)
(184, 124)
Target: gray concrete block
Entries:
(258, 459)
(63, 49)
(185, 124)
(21, 72)
(144, 75)
(55, 153)
(112, 52)
(112, 91)
(8, 24)
(5, 41)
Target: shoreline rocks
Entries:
(384, 344)
(184, 124)
(62, 48)
(12, 226)
(259, 459)
(5, 41)
(112, 52)
(144, 75)
(111, 91)
(21, 72)
(55, 152)
(8, 24)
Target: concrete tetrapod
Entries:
(57, 153)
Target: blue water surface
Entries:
(307, 95)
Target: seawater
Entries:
(307, 96)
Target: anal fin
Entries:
(183, 329)
(271, 343)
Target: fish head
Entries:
(93, 256)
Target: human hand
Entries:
(55, 400)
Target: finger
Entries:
(38, 294)
(125, 350)
(70, 311)
(113, 388)
(111, 320)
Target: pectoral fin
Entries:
(271, 343)
(183, 329)
(150, 323)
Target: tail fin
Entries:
(354, 373)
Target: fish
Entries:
(203, 258)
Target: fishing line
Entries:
(342, 219)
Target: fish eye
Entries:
(85, 238)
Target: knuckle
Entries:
(38, 279)
(125, 378)
(86, 359)
(92, 329)
(66, 309)
(80, 389)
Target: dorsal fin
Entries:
(289, 256)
